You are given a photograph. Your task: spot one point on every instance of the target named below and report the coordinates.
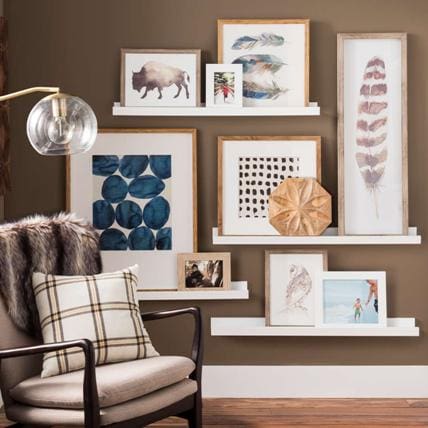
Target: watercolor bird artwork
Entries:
(298, 288)
(371, 137)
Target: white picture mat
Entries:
(360, 214)
(232, 224)
(279, 274)
(379, 276)
(215, 68)
(292, 52)
(158, 269)
(184, 61)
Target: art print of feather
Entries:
(372, 150)
(259, 63)
(261, 91)
(264, 39)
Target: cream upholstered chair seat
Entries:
(117, 383)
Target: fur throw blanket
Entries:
(61, 245)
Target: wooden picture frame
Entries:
(221, 54)
(265, 227)
(80, 195)
(395, 89)
(202, 281)
(306, 316)
(195, 82)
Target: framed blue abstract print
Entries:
(138, 189)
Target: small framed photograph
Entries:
(224, 85)
(372, 134)
(160, 77)
(352, 299)
(250, 168)
(292, 279)
(204, 271)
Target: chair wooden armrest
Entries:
(90, 393)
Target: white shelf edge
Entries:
(330, 237)
(255, 326)
(238, 290)
(312, 110)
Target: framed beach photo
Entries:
(372, 134)
(138, 189)
(274, 54)
(223, 85)
(352, 299)
(292, 279)
(204, 271)
(250, 168)
(160, 77)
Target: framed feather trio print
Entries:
(372, 134)
(274, 54)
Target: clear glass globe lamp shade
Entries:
(61, 124)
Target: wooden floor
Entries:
(294, 413)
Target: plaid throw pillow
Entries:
(103, 308)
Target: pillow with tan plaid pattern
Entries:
(103, 308)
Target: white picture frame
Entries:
(300, 156)
(275, 56)
(292, 280)
(227, 94)
(372, 134)
(131, 231)
(160, 77)
(336, 300)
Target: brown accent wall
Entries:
(75, 44)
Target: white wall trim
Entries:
(315, 381)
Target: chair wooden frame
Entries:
(189, 408)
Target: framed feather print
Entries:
(274, 54)
(250, 168)
(137, 187)
(372, 134)
(292, 279)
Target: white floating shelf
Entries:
(330, 237)
(238, 290)
(312, 110)
(256, 327)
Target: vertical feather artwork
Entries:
(371, 140)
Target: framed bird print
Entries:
(250, 168)
(274, 54)
(292, 279)
(372, 134)
(137, 187)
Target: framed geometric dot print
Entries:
(138, 189)
(250, 168)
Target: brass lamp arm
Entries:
(28, 91)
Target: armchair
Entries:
(32, 401)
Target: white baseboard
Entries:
(315, 381)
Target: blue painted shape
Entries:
(104, 165)
(113, 240)
(114, 189)
(132, 166)
(129, 214)
(141, 239)
(146, 187)
(156, 213)
(164, 239)
(161, 165)
(102, 214)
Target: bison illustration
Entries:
(157, 75)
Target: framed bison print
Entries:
(274, 54)
(372, 134)
(138, 189)
(160, 77)
(292, 280)
(250, 168)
